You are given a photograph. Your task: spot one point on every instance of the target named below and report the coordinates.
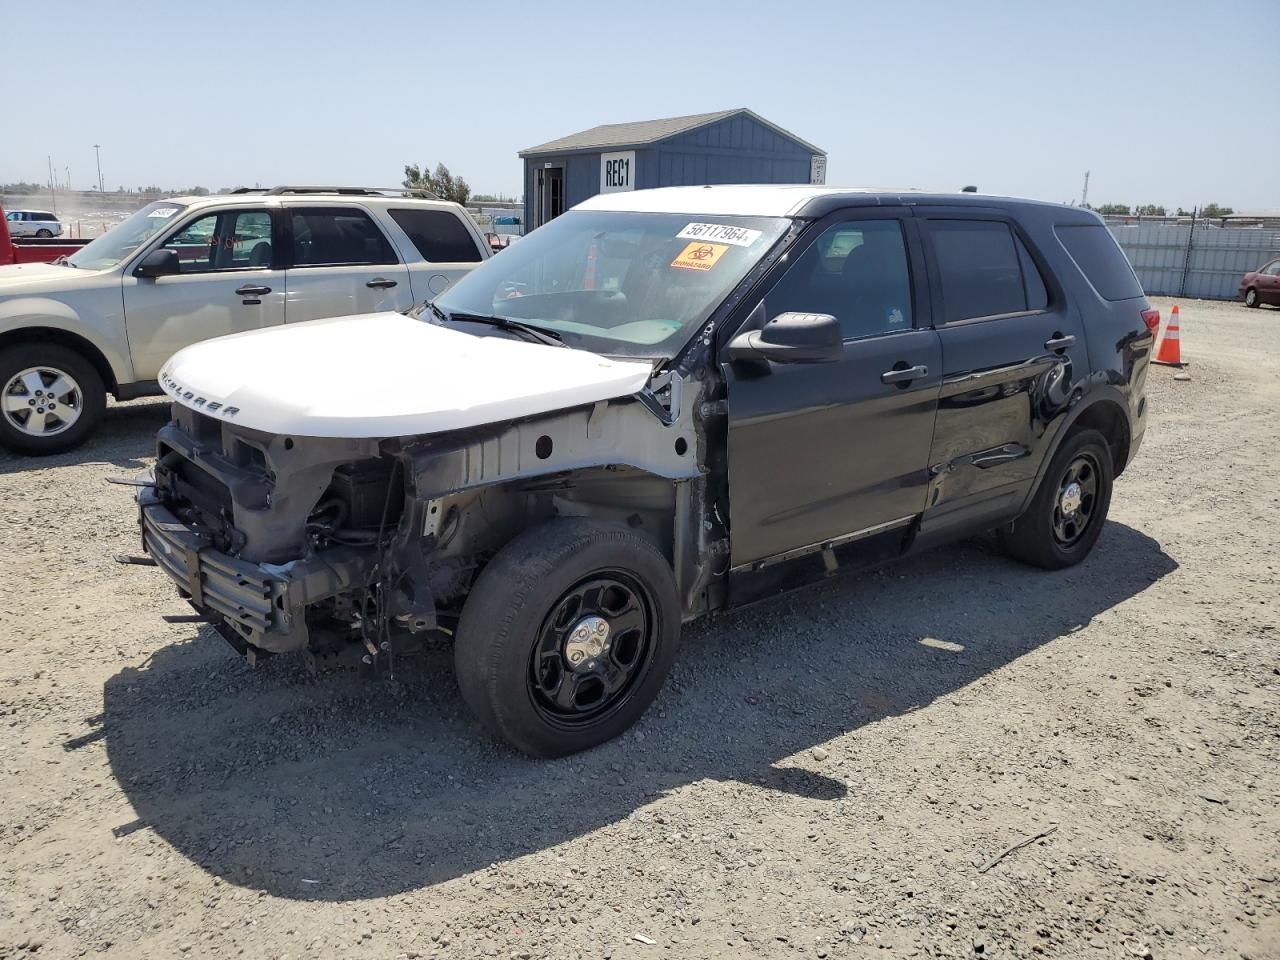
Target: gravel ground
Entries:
(825, 775)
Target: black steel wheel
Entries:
(1068, 510)
(591, 649)
(1076, 498)
(567, 636)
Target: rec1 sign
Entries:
(617, 171)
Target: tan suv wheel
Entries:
(51, 398)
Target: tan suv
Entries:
(105, 319)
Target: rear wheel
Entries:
(43, 232)
(51, 398)
(1069, 508)
(1251, 297)
(567, 636)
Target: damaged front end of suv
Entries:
(310, 543)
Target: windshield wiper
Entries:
(506, 323)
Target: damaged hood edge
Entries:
(386, 375)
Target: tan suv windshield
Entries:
(120, 241)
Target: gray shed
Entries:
(729, 146)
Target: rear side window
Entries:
(338, 237)
(985, 270)
(1101, 260)
(439, 235)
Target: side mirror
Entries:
(158, 263)
(791, 338)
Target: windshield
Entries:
(124, 238)
(623, 284)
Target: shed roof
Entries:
(641, 132)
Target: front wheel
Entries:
(51, 398)
(567, 636)
(1251, 297)
(1069, 508)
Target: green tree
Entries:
(1117, 209)
(1212, 210)
(442, 183)
(1151, 210)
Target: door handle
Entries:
(904, 375)
(1059, 341)
(251, 290)
(380, 283)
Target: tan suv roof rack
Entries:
(345, 191)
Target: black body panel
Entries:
(822, 457)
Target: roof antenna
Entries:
(969, 189)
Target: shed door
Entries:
(550, 194)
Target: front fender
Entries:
(100, 325)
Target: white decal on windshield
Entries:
(720, 233)
(163, 212)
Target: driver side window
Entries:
(227, 240)
(857, 272)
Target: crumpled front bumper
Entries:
(253, 605)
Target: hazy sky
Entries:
(1168, 102)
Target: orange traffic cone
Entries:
(1169, 351)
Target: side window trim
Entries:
(1052, 292)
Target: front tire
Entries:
(567, 636)
(1069, 508)
(51, 398)
(1251, 298)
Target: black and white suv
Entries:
(178, 271)
(657, 406)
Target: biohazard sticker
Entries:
(720, 233)
(699, 256)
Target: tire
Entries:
(1045, 535)
(44, 233)
(521, 622)
(1251, 298)
(72, 416)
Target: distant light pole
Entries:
(53, 188)
(98, 157)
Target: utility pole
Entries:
(1084, 196)
(98, 156)
(53, 190)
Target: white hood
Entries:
(386, 375)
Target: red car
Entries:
(1262, 285)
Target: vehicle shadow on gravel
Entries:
(340, 788)
(126, 435)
